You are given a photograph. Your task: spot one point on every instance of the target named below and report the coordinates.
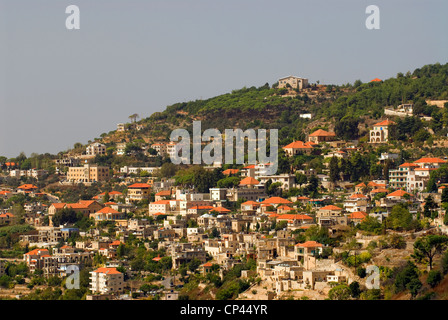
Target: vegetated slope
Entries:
(271, 107)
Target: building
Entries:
(138, 192)
(320, 135)
(121, 148)
(107, 214)
(294, 82)
(106, 281)
(96, 148)
(87, 174)
(298, 147)
(380, 131)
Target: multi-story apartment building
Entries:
(414, 176)
(138, 192)
(87, 174)
(96, 148)
(106, 281)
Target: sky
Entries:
(61, 86)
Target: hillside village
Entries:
(351, 192)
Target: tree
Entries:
(407, 278)
(428, 247)
(354, 289)
(340, 292)
(334, 169)
(300, 179)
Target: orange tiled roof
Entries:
(219, 209)
(322, 133)
(398, 193)
(276, 200)
(27, 187)
(376, 80)
(386, 122)
(139, 186)
(107, 270)
(164, 193)
(77, 206)
(249, 181)
(309, 244)
(298, 145)
(230, 171)
(379, 190)
(357, 196)
(161, 202)
(293, 217)
(330, 207)
(250, 202)
(59, 205)
(108, 210)
(430, 160)
(357, 215)
(408, 164)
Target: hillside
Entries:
(270, 107)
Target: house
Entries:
(161, 206)
(121, 148)
(293, 82)
(320, 135)
(399, 195)
(106, 281)
(6, 218)
(308, 248)
(138, 192)
(356, 202)
(380, 131)
(107, 214)
(163, 195)
(27, 188)
(357, 217)
(298, 147)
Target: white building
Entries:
(106, 281)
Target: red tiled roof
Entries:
(376, 80)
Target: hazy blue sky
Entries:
(60, 86)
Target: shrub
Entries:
(434, 278)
